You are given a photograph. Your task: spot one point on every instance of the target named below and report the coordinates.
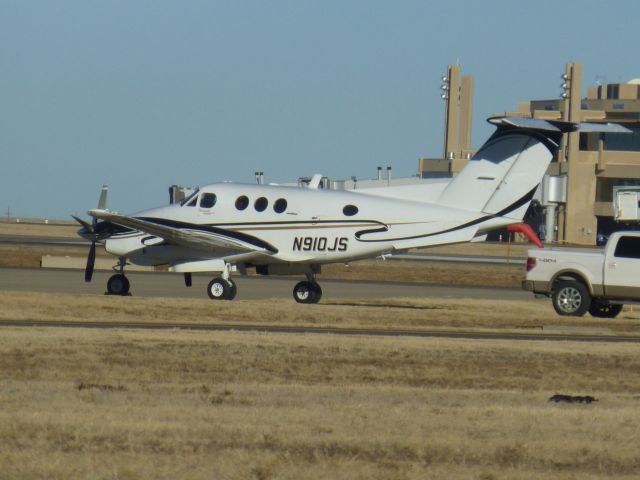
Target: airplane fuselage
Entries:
(301, 225)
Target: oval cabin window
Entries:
(280, 205)
(350, 210)
(242, 202)
(261, 204)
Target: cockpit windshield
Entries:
(186, 200)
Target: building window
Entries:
(350, 210)
(623, 142)
(280, 205)
(261, 204)
(589, 142)
(242, 202)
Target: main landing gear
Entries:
(307, 291)
(118, 284)
(223, 287)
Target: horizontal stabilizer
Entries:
(503, 175)
(534, 124)
(602, 128)
(557, 125)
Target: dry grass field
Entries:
(80, 403)
(29, 256)
(128, 404)
(33, 229)
(390, 313)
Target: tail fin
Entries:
(504, 174)
(502, 177)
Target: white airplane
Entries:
(280, 230)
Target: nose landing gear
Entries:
(118, 284)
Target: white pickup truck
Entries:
(588, 280)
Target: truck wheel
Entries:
(571, 298)
(604, 310)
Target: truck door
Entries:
(622, 269)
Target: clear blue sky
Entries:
(143, 94)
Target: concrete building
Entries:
(457, 93)
(594, 182)
(595, 165)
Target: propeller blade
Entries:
(91, 262)
(86, 225)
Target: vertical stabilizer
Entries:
(503, 175)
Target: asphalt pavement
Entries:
(162, 284)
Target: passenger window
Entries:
(350, 210)
(628, 247)
(242, 202)
(207, 200)
(261, 204)
(280, 205)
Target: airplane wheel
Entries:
(233, 290)
(307, 292)
(220, 289)
(118, 284)
(604, 310)
(317, 293)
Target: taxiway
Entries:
(161, 284)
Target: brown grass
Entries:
(533, 316)
(127, 405)
(449, 273)
(29, 256)
(42, 230)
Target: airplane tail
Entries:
(502, 177)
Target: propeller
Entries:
(93, 233)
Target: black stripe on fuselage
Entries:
(243, 237)
(514, 206)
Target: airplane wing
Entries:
(190, 235)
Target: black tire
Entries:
(604, 310)
(571, 298)
(307, 292)
(317, 293)
(220, 289)
(118, 284)
(233, 290)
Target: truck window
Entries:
(628, 247)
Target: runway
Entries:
(160, 284)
